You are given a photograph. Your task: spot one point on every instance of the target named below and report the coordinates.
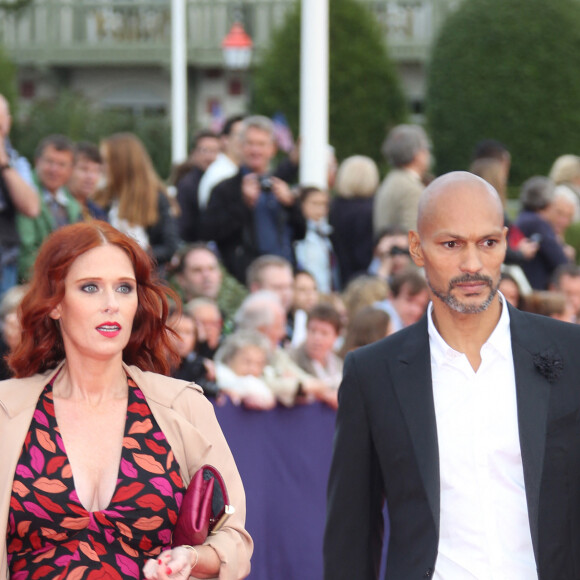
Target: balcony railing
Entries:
(83, 32)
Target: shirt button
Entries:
(428, 573)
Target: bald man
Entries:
(467, 423)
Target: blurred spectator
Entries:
(227, 162)
(316, 355)
(253, 213)
(368, 325)
(193, 367)
(510, 288)
(493, 149)
(549, 303)
(391, 253)
(537, 196)
(305, 291)
(408, 299)
(364, 291)
(187, 176)
(272, 273)
(135, 199)
(315, 252)
(209, 322)
(351, 215)
(16, 195)
(406, 148)
(566, 279)
(560, 215)
(10, 325)
(263, 312)
(240, 364)
(493, 170)
(52, 170)
(565, 172)
(85, 179)
(305, 298)
(335, 300)
(196, 272)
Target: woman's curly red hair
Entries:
(41, 347)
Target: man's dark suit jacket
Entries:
(229, 222)
(386, 448)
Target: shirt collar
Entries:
(60, 196)
(499, 340)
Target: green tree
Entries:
(7, 78)
(365, 94)
(508, 70)
(74, 116)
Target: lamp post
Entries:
(314, 93)
(237, 48)
(178, 82)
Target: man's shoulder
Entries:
(399, 344)
(542, 328)
(230, 184)
(397, 182)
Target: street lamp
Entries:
(237, 48)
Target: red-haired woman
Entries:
(97, 448)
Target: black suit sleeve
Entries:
(163, 236)
(225, 214)
(354, 524)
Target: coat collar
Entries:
(18, 395)
(411, 376)
(533, 397)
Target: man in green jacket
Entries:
(52, 170)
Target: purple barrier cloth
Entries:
(283, 457)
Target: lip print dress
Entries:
(51, 535)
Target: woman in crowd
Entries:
(351, 215)
(9, 325)
(367, 326)
(135, 198)
(192, 366)
(101, 447)
(549, 303)
(364, 291)
(240, 362)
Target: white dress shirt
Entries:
(484, 531)
(222, 168)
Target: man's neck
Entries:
(466, 333)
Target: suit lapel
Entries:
(533, 396)
(411, 375)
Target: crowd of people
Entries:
(232, 222)
(265, 286)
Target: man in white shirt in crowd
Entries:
(467, 423)
(226, 163)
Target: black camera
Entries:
(265, 182)
(398, 251)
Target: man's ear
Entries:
(415, 249)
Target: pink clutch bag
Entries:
(204, 510)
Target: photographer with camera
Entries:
(253, 213)
(390, 253)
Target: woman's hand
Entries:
(183, 562)
(175, 563)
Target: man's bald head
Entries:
(457, 187)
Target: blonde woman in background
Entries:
(351, 215)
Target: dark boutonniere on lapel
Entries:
(549, 365)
